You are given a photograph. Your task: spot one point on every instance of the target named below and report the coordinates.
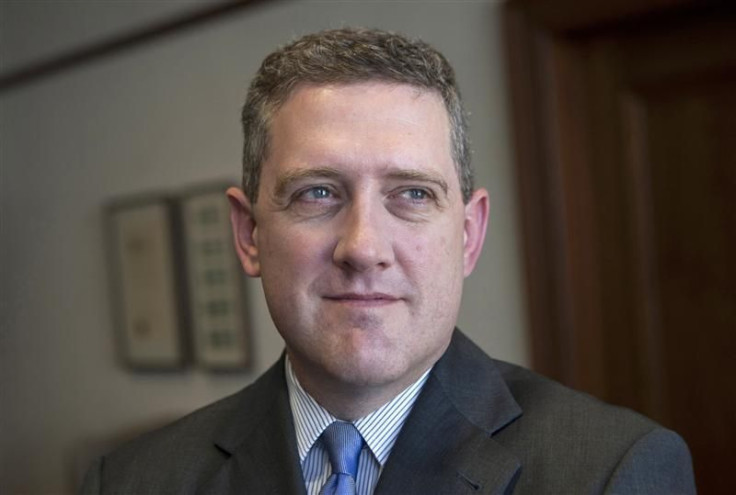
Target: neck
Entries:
(350, 401)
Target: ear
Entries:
(476, 221)
(245, 231)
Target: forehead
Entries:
(365, 98)
(366, 122)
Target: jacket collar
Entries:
(260, 442)
(447, 444)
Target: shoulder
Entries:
(564, 440)
(177, 455)
(185, 452)
(540, 404)
(187, 433)
(573, 439)
(545, 400)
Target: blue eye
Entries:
(416, 194)
(318, 192)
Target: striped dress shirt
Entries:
(379, 429)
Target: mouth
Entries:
(363, 299)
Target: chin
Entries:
(366, 372)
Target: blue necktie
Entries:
(343, 443)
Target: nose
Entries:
(364, 242)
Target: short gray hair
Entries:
(349, 55)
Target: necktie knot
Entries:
(343, 444)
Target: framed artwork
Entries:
(148, 290)
(216, 285)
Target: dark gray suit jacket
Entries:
(479, 426)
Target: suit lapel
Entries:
(447, 445)
(259, 443)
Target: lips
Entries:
(364, 298)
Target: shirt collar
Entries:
(379, 429)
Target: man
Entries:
(359, 214)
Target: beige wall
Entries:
(164, 116)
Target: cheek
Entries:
(293, 247)
(433, 258)
(443, 243)
(283, 265)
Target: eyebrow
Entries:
(288, 178)
(417, 175)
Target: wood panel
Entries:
(625, 149)
(690, 138)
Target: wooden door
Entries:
(625, 137)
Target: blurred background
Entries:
(605, 134)
(161, 113)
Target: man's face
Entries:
(360, 233)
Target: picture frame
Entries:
(149, 297)
(218, 310)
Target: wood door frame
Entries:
(576, 283)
